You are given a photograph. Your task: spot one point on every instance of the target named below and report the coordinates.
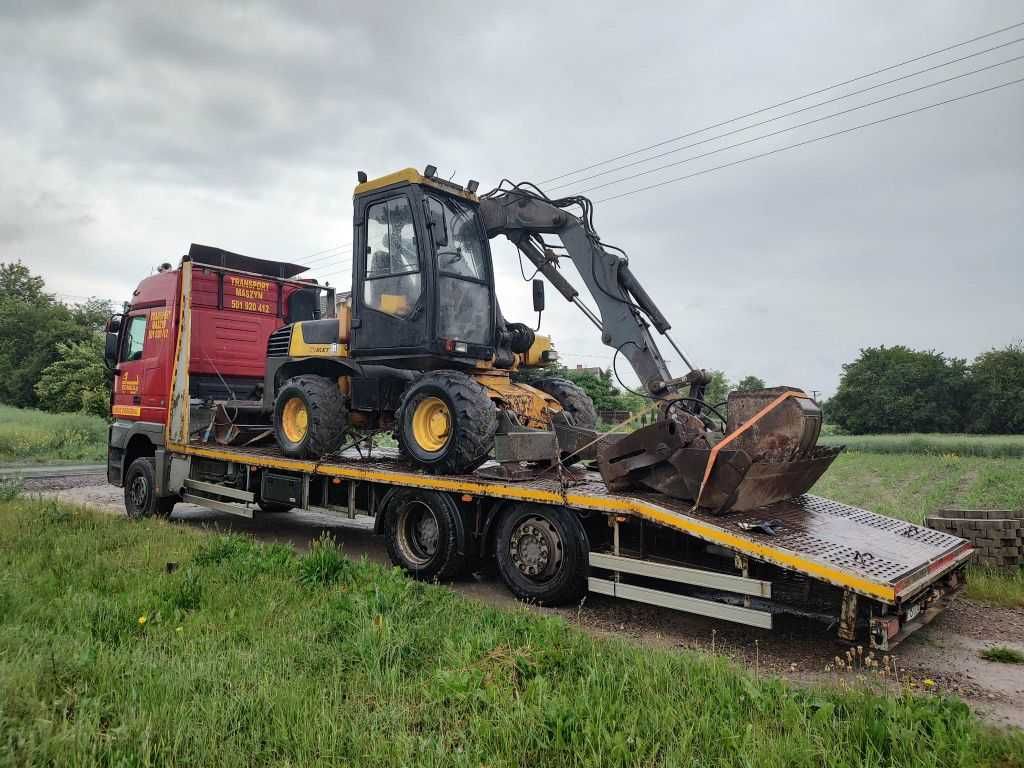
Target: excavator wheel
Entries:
(310, 417)
(573, 398)
(576, 402)
(446, 423)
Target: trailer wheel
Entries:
(543, 554)
(422, 532)
(310, 417)
(140, 499)
(446, 423)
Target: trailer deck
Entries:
(879, 557)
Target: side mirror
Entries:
(110, 349)
(538, 295)
(113, 324)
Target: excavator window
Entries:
(462, 255)
(464, 295)
(393, 282)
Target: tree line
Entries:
(51, 353)
(51, 356)
(899, 389)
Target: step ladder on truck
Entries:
(554, 536)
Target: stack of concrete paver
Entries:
(998, 534)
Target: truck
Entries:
(191, 424)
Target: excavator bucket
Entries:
(768, 453)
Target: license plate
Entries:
(913, 612)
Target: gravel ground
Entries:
(940, 658)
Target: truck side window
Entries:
(392, 284)
(136, 336)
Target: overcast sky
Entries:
(128, 131)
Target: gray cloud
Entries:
(130, 131)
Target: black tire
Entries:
(274, 507)
(422, 532)
(140, 499)
(550, 542)
(573, 399)
(472, 422)
(326, 416)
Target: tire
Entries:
(576, 402)
(310, 417)
(274, 507)
(140, 499)
(550, 540)
(422, 531)
(573, 399)
(457, 433)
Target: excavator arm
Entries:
(767, 451)
(625, 311)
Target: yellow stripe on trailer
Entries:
(617, 504)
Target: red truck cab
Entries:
(237, 302)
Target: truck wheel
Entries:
(575, 401)
(543, 554)
(421, 530)
(310, 417)
(446, 423)
(140, 499)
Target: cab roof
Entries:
(412, 176)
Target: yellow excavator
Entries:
(421, 347)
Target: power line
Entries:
(328, 250)
(782, 103)
(634, 163)
(328, 257)
(800, 125)
(812, 141)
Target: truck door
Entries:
(140, 388)
(389, 291)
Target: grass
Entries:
(247, 655)
(991, 446)
(1002, 654)
(910, 487)
(36, 436)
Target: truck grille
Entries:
(279, 342)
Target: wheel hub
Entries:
(431, 424)
(426, 534)
(139, 491)
(295, 420)
(536, 548)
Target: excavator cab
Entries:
(423, 283)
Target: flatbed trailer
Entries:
(557, 535)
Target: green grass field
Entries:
(246, 655)
(993, 446)
(36, 436)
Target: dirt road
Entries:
(941, 658)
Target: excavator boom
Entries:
(767, 449)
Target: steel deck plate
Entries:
(872, 554)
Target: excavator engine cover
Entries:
(774, 458)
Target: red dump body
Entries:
(237, 303)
